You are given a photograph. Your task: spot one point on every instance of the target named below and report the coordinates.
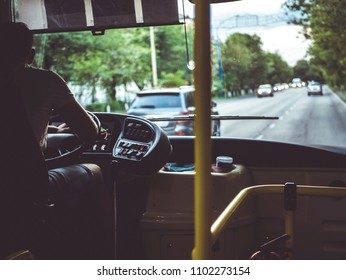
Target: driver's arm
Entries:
(79, 121)
(61, 128)
(72, 113)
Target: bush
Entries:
(114, 106)
(172, 79)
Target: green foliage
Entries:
(96, 107)
(243, 61)
(123, 56)
(307, 71)
(112, 106)
(324, 22)
(119, 57)
(278, 71)
(172, 79)
(171, 50)
(301, 70)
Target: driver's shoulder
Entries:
(34, 73)
(30, 70)
(42, 76)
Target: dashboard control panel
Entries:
(135, 141)
(137, 131)
(131, 150)
(142, 148)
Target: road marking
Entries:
(272, 125)
(260, 136)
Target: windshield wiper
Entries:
(213, 117)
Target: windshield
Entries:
(156, 101)
(254, 45)
(265, 86)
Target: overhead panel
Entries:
(76, 15)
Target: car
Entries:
(170, 102)
(314, 88)
(285, 86)
(265, 90)
(297, 83)
(278, 87)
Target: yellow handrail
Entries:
(221, 222)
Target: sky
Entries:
(280, 37)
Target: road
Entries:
(302, 119)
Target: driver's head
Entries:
(16, 43)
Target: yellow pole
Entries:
(289, 229)
(202, 80)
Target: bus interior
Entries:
(275, 200)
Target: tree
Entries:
(278, 70)
(58, 48)
(171, 50)
(126, 58)
(243, 61)
(116, 58)
(119, 57)
(307, 71)
(172, 79)
(301, 70)
(324, 22)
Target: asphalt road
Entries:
(302, 119)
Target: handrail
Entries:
(222, 220)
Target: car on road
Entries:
(297, 83)
(265, 90)
(170, 102)
(285, 86)
(314, 88)
(278, 87)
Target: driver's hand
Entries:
(62, 128)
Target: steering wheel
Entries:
(65, 148)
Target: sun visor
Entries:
(46, 16)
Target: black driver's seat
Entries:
(23, 174)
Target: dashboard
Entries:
(138, 146)
(133, 144)
(104, 138)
